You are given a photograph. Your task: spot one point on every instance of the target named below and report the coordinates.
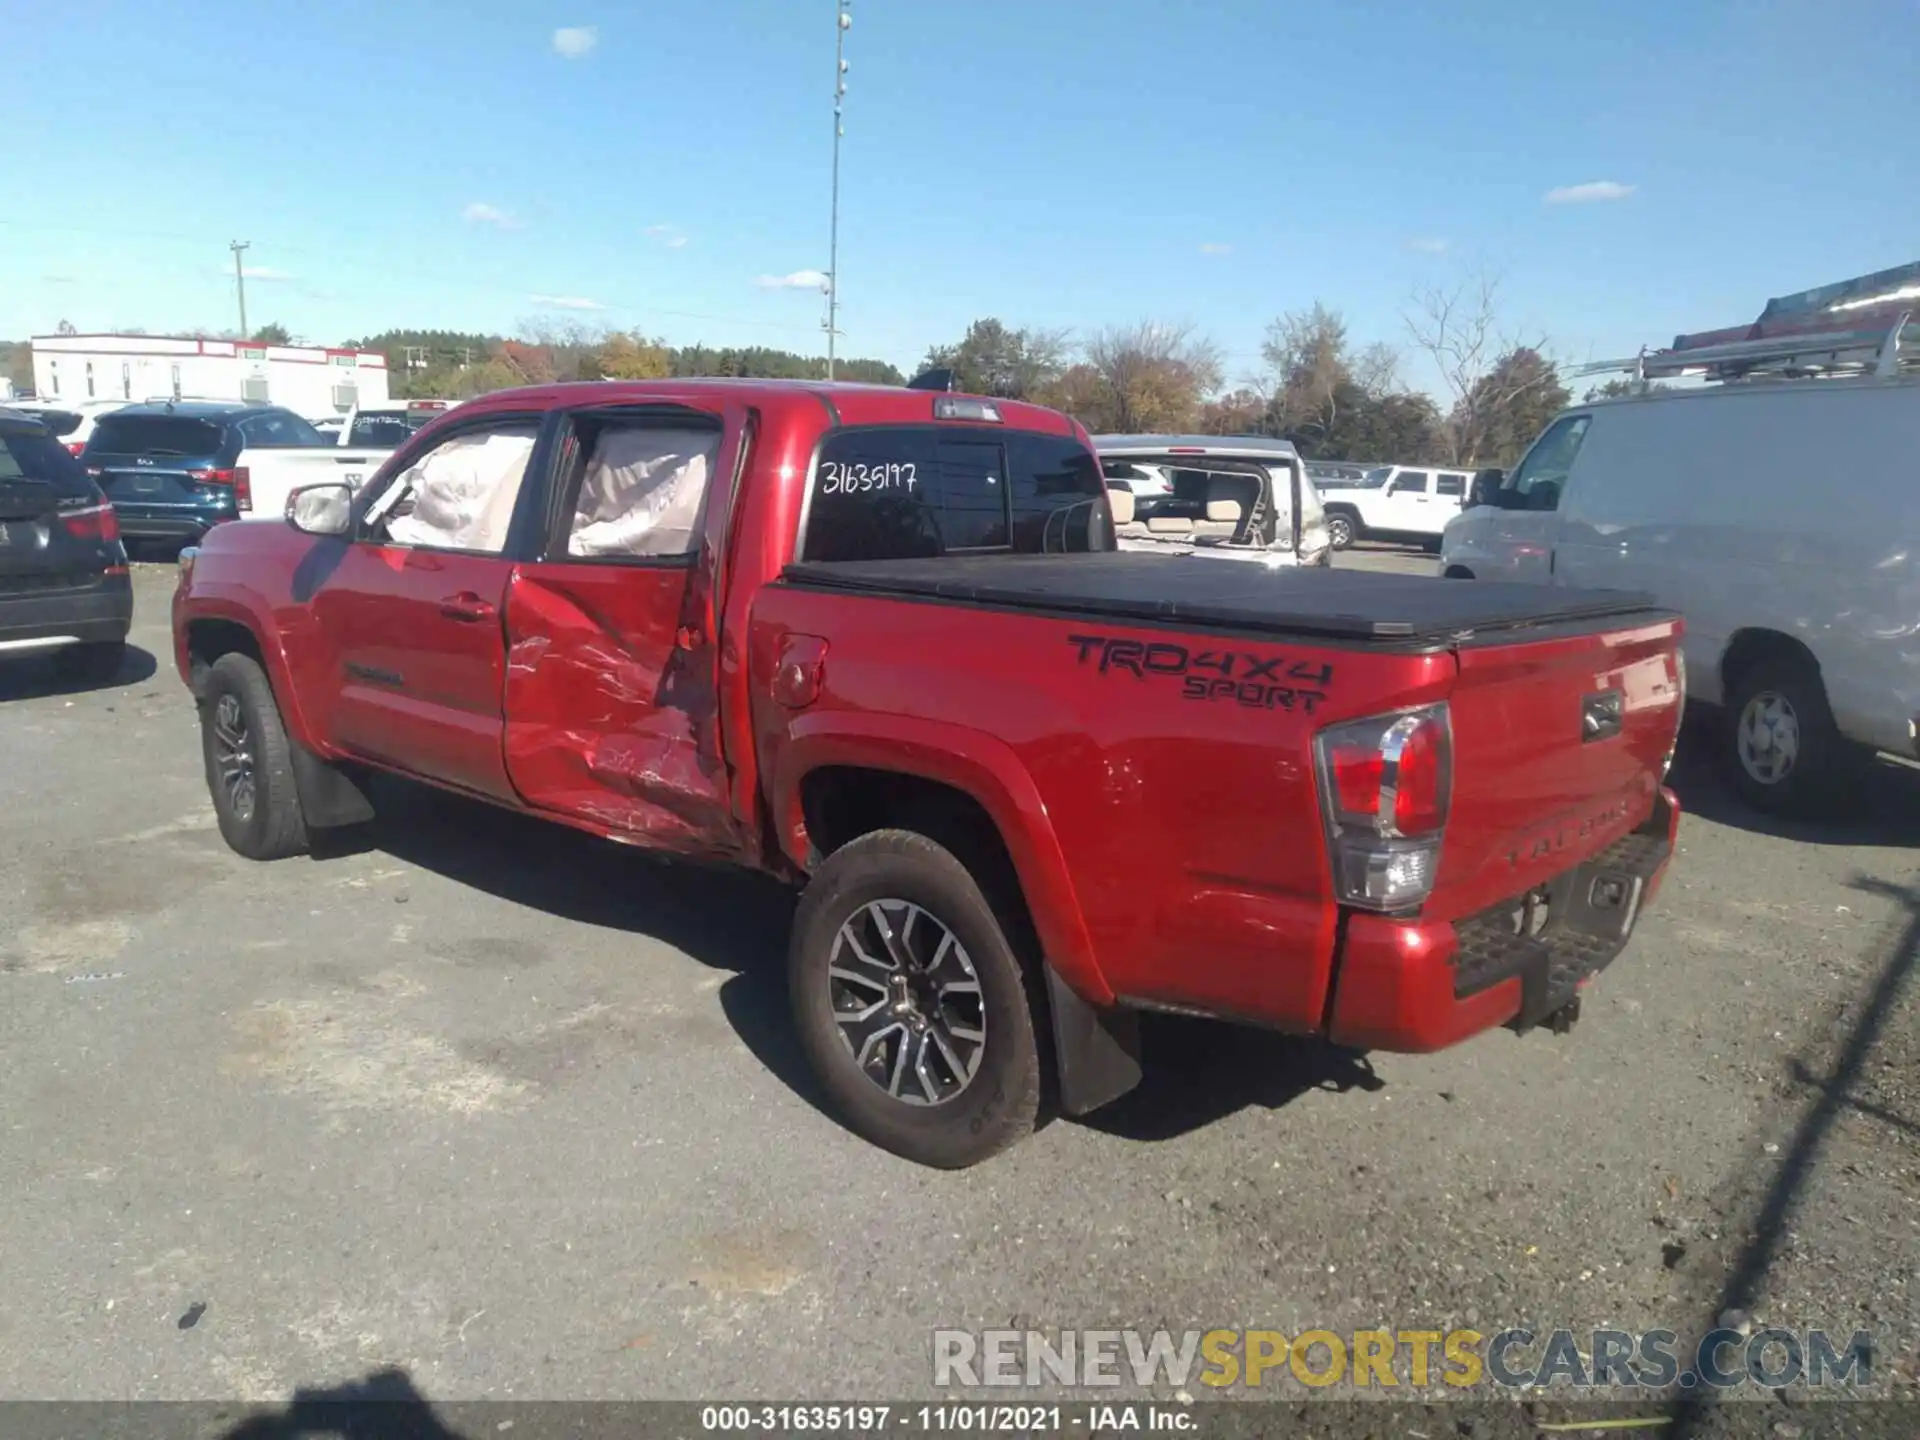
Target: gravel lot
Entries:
(517, 1113)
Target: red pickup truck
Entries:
(879, 642)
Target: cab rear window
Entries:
(35, 457)
(901, 492)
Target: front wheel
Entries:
(912, 1007)
(1780, 745)
(249, 762)
(1340, 531)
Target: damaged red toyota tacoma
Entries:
(879, 642)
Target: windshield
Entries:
(386, 428)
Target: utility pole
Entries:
(240, 282)
(843, 22)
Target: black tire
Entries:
(1763, 701)
(97, 660)
(1342, 530)
(1458, 572)
(269, 826)
(1000, 1102)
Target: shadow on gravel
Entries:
(1199, 1072)
(730, 919)
(1745, 1284)
(384, 1406)
(32, 677)
(1882, 809)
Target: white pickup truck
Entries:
(1407, 503)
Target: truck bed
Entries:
(1350, 606)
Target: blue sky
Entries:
(1067, 163)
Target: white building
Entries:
(308, 380)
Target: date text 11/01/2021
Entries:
(956, 1419)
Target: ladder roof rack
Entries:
(1866, 326)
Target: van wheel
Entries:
(911, 1005)
(1340, 530)
(249, 762)
(1780, 745)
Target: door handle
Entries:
(466, 606)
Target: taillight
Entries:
(97, 523)
(1386, 783)
(76, 447)
(238, 480)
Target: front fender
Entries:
(240, 606)
(968, 760)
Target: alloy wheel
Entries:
(906, 1000)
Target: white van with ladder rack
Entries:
(1771, 494)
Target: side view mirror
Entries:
(1486, 488)
(324, 509)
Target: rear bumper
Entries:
(1417, 986)
(89, 611)
(187, 523)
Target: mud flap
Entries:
(1096, 1052)
(329, 797)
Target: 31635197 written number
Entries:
(841, 478)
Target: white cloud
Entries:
(572, 42)
(676, 242)
(1593, 192)
(264, 272)
(798, 280)
(667, 235)
(1215, 247)
(567, 302)
(1429, 245)
(480, 213)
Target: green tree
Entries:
(273, 333)
(995, 359)
(1507, 407)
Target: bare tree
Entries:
(1306, 353)
(1156, 374)
(1376, 370)
(1460, 329)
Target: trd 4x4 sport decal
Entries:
(1259, 682)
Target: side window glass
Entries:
(642, 491)
(1057, 493)
(460, 495)
(1410, 482)
(385, 432)
(1451, 485)
(1541, 477)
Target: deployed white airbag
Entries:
(643, 492)
(464, 493)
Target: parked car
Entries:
(876, 642)
(71, 421)
(175, 469)
(1344, 475)
(386, 427)
(1237, 499)
(1410, 504)
(1780, 517)
(63, 570)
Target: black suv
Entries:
(63, 570)
(169, 468)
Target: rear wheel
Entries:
(1780, 746)
(249, 762)
(911, 1004)
(1340, 530)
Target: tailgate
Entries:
(276, 473)
(1559, 748)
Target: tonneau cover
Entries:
(1337, 604)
